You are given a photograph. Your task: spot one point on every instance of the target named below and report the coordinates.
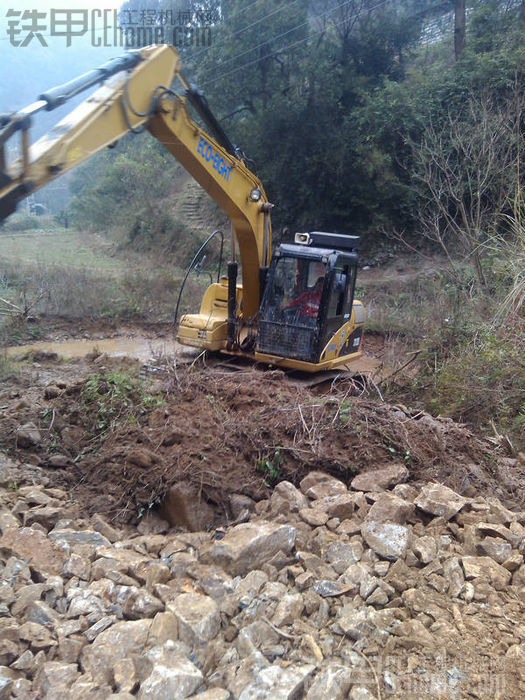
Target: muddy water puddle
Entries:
(143, 349)
(146, 350)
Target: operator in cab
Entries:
(308, 302)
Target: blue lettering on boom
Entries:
(208, 153)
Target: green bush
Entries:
(21, 222)
(482, 383)
(111, 399)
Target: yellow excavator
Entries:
(292, 308)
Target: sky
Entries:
(27, 71)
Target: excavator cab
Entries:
(307, 313)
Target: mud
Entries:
(227, 432)
(137, 347)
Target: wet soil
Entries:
(228, 431)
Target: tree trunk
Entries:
(459, 28)
(479, 270)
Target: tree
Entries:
(460, 23)
(467, 174)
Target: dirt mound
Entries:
(242, 432)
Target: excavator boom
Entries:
(138, 94)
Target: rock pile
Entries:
(324, 591)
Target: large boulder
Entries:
(172, 675)
(437, 499)
(197, 617)
(249, 543)
(113, 644)
(380, 479)
(33, 546)
(278, 683)
(389, 508)
(331, 683)
(487, 569)
(387, 540)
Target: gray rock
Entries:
(278, 683)
(197, 617)
(254, 636)
(340, 506)
(213, 694)
(9, 651)
(377, 597)
(487, 569)
(8, 521)
(24, 661)
(415, 634)
(313, 516)
(39, 612)
(332, 683)
(25, 595)
(84, 602)
(288, 609)
(137, 603)
(514, 562)
(285, 493)
(103, 624)
(315, 479)
(77, 566)
(172, 676)
(341, 554)
(54, 678)
(248, 543)
(125, 675)
(7, 678)
(364, 623)
(496, 548)
(328, 487)
(361, 692)
(117, 642)
(425, 548)
(37, 636)
(47, 516)
(496, 530)
(33, 546)
(454, 575)
(437, 499)
(69, 649)
(238, 674)
(389, 508)
(333, 589)
(239, 503)
(105, 529)
(73, 537)
(380, 479)
(386, 539)
(28, 435)
(84, 688)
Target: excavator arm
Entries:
(138, 93)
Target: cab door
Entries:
(283, 329)
(340, 293)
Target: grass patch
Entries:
(65, 248)
(112, 399)
(483, 382)
(468, 362)
(148, 294)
